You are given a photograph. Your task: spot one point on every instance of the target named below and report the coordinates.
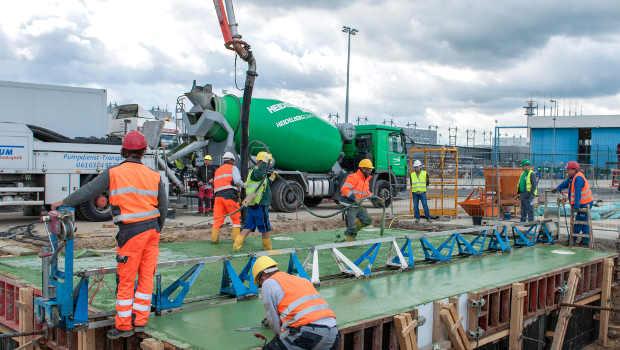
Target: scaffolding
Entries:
(441, 165)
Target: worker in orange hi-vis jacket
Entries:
(226, 184)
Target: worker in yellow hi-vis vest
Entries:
(419, 182)
(527, 189)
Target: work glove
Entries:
(555, 190)
(273, 175)
(265, 323)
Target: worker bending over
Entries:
(139, 205)
(257, 200)
(299, 317)
(579, 195)
(419, 183)
(527, 189)
(356, 187)
(226, 184)
(205, 187)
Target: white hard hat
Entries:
(417, 163)
(228, 155)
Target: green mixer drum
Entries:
(298, 139)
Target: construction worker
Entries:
(205, 187)
(419, 183)
(579, 196)
(356, 187)
(299, 317)
(527, 189)
(258, 200)
(226, 185)
(139, 205)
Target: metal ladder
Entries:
(573, 222)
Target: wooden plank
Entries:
(400, 323)
(377, 337)
(438, 332)
(449, 323)
(26, 316)
(516, 316)
(151, 344)
(492, 338)
(411, 331)
(358, 340)
(565, 311)
(608, 268)
(589, 300)
(459, 326)
(86, 339)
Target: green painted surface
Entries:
(213, 327)
(208, 283)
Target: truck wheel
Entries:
(313, 201)
(382, 189)
(96, 209)
(287, 197)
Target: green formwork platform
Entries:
(214, 326)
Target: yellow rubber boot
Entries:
(267, 244)
(235, 233)
(215, 235)
(350, 238)
(238, 242)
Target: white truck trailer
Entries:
(35, 173)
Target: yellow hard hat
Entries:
(262, 156)
(366, 163)
(261, 264)
(208, 157)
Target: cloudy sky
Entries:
(448, 63)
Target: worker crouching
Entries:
(300, 318)
(258, 200)
(226, 184)
(139, 205)
(355, 189)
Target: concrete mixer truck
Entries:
(311, 154)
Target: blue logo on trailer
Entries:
(7, 150)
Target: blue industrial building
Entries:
(591, 140)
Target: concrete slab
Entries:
(213, 327)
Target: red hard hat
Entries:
(134, 141)
(572, 165)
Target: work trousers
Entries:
(527, 206)
(420, 197)
(307, 337)
(137, 257)
(356, 213)
(223, 207)
(580, 228)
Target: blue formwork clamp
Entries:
(371, 256)
(295, 267)
(407, 251)
(234, 284)
(525, 239)
(435, 254)
(544, 236)
(499, 241)
(162, 298)
(469, 248)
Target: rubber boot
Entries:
(235, 233)
(215, 235)
(238, 242)
(267, 244)
(350, 238)
(116, 333)
(358, 225)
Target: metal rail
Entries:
(218, 258)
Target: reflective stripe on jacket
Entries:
(252, 186)
(356, 184)
(528, 182)
(301, 304)
(223, 178)
(586, 193)
(418, 183)
(133, 193)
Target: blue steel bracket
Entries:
(370, 255)
(469, 248)
(435, 254)
(234, 284)
(295, 267)
(407, 251)
(499, 241)
(161, 299)
(544, 236)
(525, 239)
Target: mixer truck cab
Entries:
(311, 155)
